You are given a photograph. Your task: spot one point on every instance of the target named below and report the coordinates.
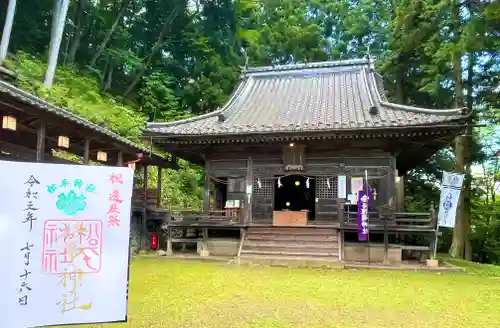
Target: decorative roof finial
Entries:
(368, 56)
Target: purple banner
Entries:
(363, 201)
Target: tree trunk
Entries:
(457, 249)
(468, 160)
(107, 38)
(56, 10)
(77, 37)
(460, 233)
(400, 96)
(109, 77)
(157, 46)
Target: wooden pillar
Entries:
(249, 191)
(340, 217)
(175, 164)
(204, 245)
(206, 188)
(400, 193)
(119, 160)
(437, 233)
(86, 151)
(145, 209)
(158, 186)
(170, 251)
(40, 142)
(386, 241)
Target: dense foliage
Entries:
(127, 61)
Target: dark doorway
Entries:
(294, 194)
(220, 194)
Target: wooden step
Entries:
(291, 244)
(290, 250)
(334, 254)
(292, 238)
(291, 231)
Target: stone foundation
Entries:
(359, 253)
(223, 247)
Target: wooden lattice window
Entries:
(326, 187)
(265, 190)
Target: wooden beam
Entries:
(16, 152)
(40, 142)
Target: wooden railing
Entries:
(211, 218)
(150, 201)
(394, 221)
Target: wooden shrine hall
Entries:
(288, 156)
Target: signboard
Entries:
(450, 195)
(342, 186)
(64, 232)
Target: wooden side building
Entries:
(32, 129)
(285, 158)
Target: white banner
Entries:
(64, 235)
(450, 196)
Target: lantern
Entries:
(9, 123)
(102, 156)
(292, 144)
(63, 142)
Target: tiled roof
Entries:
(43, 105)
(328, 96)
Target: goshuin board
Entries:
(64, 235)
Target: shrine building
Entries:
(289, 157)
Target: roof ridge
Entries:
(324, 64)
(420, 110)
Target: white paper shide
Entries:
(64, 230)
(450, 196)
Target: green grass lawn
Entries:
(168, 293)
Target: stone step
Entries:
(292, 238)
(304, 261)
(294, 254)
(290, 244)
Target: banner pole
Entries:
(368, 217)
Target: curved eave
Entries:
(243, 85)
(378, 100)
